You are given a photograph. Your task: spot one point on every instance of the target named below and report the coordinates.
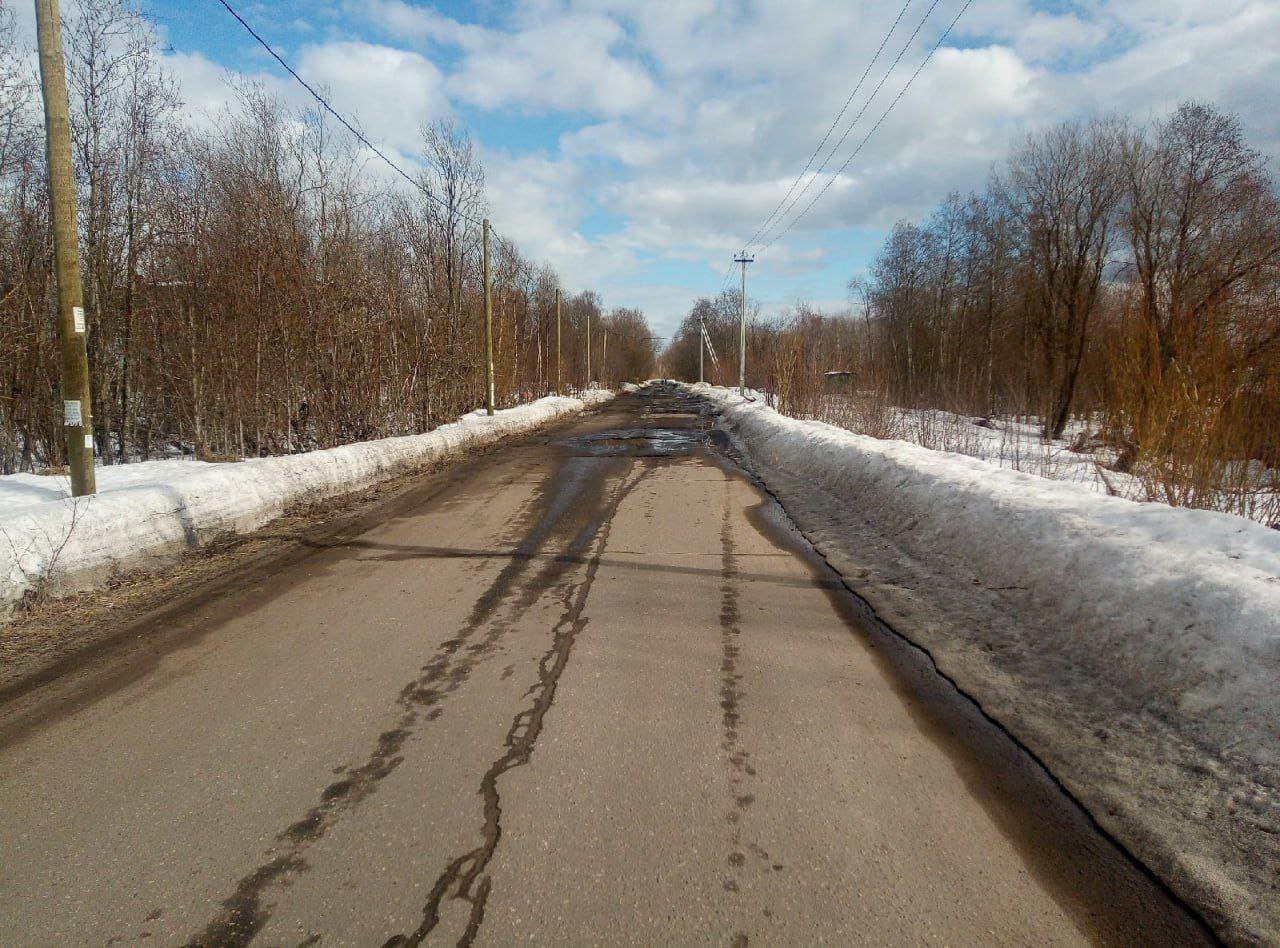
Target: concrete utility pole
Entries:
(604, 360)
(702, 346)
(559, 383)
(77, 420)
(743, 259)
(488, 323)
(588, 347)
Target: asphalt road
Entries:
(588, 688)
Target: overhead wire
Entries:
(763, 228)
(867, 137)
(857, 118)
(834, 124)
(360, 136)
(724, 283)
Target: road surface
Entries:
(588, 688)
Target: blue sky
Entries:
(636, 145)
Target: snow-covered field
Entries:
(144, 514)
(1134, 646)
(1015, 443)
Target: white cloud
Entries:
(392, 91)
(688, 119)
(1047, 36)
(388, 93)
(557, 60)
(1230, 59)
(539, 204)
(208, 88)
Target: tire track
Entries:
(731, 695)
(464, 877)
(243, 913)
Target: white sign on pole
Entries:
(77, 318)
(71, 415)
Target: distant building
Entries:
(837, 380)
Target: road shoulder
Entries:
(54, 637)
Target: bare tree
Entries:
(252, 288)
(1064, 186)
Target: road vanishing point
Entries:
(590, 687)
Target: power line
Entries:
(834, 122)
(347, 125)
(724, 283)
(862, 111)
(879, 121)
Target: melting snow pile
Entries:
(1135, 647)
(146, 513)
(1190, 598)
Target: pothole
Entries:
(638, 442)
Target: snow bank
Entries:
(1016, 442)
(146, 513)
(1184, 601)
(1144, 661)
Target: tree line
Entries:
(250, 287)
(1125, 275)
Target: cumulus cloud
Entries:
(681, 123)
(1049, 36)
(208, 88)
(540, 204)
(393, 91)
(553, 59)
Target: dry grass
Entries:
(1197, 425)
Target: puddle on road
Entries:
(673, 425)
(638, 442)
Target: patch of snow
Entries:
(1192, 595)
(1016, 442)
(1129, 610)
(145, 513)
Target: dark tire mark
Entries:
(243, 914)
(463, 877)
(731, 696)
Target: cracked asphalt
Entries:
(591, 688)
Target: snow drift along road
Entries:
(1131, 616)
(144, 514)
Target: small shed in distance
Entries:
(837, 381)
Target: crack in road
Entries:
(576, 485)
(463, 877)
(243, 914)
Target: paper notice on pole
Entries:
(88, 442)
(77, 318)
(71, 415)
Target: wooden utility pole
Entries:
(604, 360)
(488, 324)
(559, 382)
(77, 420)
(588, 347)
(743, 259)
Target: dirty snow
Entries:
(1135, 647)
(145, 513)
